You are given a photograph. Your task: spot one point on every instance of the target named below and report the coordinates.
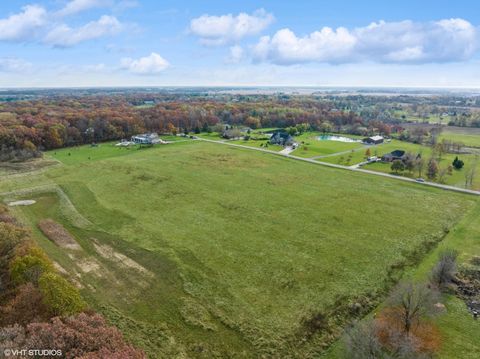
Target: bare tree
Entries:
(411, 302)
(419, 165)
(362, 342)
(445, 270)
(442, 173)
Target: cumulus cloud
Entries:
(387, 42)
(148, 65)
(13, 64)
(65, 36)
(22, 26)
(224, 29)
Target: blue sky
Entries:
(232, 43)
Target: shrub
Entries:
(80, 336)
(445, 270)
(30, 267)
(25, 307)
(362, 341)
(61, 297)
(398, 166)
(458, 164)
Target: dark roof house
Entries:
(394, 155)
(281, 138)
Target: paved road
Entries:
(310, 160)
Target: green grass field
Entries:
(377, 150)
(310, 146)
(460, 332)
(240, 249)
(257, 144)
(456, 179)
(470, 137)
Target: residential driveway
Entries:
(287, 150)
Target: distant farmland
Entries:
(225, 251)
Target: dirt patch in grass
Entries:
(89, 266)
(26, 202)
(58, 234)
(109, 253)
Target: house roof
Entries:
(398, 153)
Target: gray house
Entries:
(394, 155)
(146, 139)
(281, 138)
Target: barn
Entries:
(373, 140)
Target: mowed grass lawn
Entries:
(377, 150)
(246, 248)
(457, 178)
(311, 146)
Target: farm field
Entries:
(470, 137)
(460, 332)
(232, 251)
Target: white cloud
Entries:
(76, 6)
(236, 55)
(148, 65)
(13, 64)
(65, 36)
(22, 26)
(220, 30)
(389, 42)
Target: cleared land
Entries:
(460, 332)
(470, 137)
(248, 253)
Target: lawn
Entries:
(244, 250)
(456, 179)
(470, 137)
(377, 150)
(105, 150)
(258, 144)
(310, 146)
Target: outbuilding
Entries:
(373, 140)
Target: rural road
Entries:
(310, 160)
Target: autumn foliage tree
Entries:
(80, 336)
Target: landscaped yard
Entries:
(242, 250)
(311, 146)
(457, 178)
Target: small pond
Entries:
(336, 138)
